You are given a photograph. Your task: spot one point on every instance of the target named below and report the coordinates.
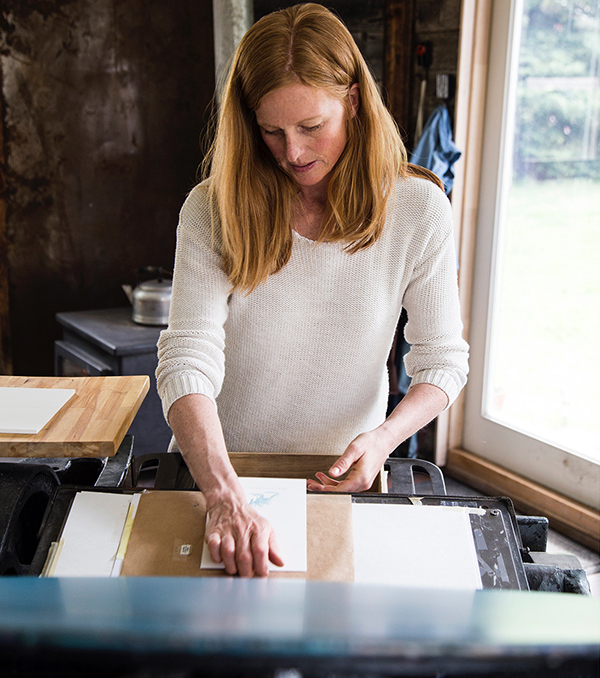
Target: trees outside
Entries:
(558, 90)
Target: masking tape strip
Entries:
(416, 501)
(54, 552)
(120, 557)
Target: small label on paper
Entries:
(185, 550)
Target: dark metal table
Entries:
(107, 342)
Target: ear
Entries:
(354, 95)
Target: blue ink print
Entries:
(261, 499)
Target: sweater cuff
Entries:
(184, 383)
(441, 379)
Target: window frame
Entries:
(482, 102)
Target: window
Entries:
(532, 402)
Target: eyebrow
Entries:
(299, 123)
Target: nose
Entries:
(294, 149)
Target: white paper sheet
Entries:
(92, 534)
(414, 546)
(282, 501)
(28, 410)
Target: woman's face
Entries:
(305, 130)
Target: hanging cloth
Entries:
(436, 150)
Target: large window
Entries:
(533, 401)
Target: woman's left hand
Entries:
(366, 454)
(364, 458)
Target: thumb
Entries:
(344, 462)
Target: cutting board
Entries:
(92, 423)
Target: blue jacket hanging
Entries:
(436, 150)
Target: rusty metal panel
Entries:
(104, 104)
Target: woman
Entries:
(294, 260)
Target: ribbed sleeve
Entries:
(191, 351)
(438, 354)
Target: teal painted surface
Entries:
(276, 617)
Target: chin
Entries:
(311, 180)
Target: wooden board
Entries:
(93, 422)
(282, 465)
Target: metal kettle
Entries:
(151, 299)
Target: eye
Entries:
(314, 128)
(270, 133)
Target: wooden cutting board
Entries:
(92, 423)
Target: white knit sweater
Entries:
(299, 365)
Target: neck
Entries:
(310, 209)
(314, 197)
(312, 203)
(308, 216)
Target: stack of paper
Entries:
(94, 538)
(414, 546)
(28, 410)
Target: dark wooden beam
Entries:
(5, 357)
(398, 62)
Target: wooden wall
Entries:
(103, 104)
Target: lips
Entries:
(303, 168)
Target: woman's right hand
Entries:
(235, 534)
(241, 539)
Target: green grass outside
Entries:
(546, 374)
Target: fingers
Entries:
(228, 554)
(326, 480)
(274, 552)
(355, 482)
(222, 550)
(244, 544)
(341, 466)
(243, 556)
(259, 555)
(361, 462)
(213, 541)
(326, 484)
(265, 549)
(350, 456)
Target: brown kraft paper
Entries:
(168, 534)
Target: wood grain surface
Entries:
(93, 422)
(282, 465)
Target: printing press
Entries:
(163, 616)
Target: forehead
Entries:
(296, 103)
